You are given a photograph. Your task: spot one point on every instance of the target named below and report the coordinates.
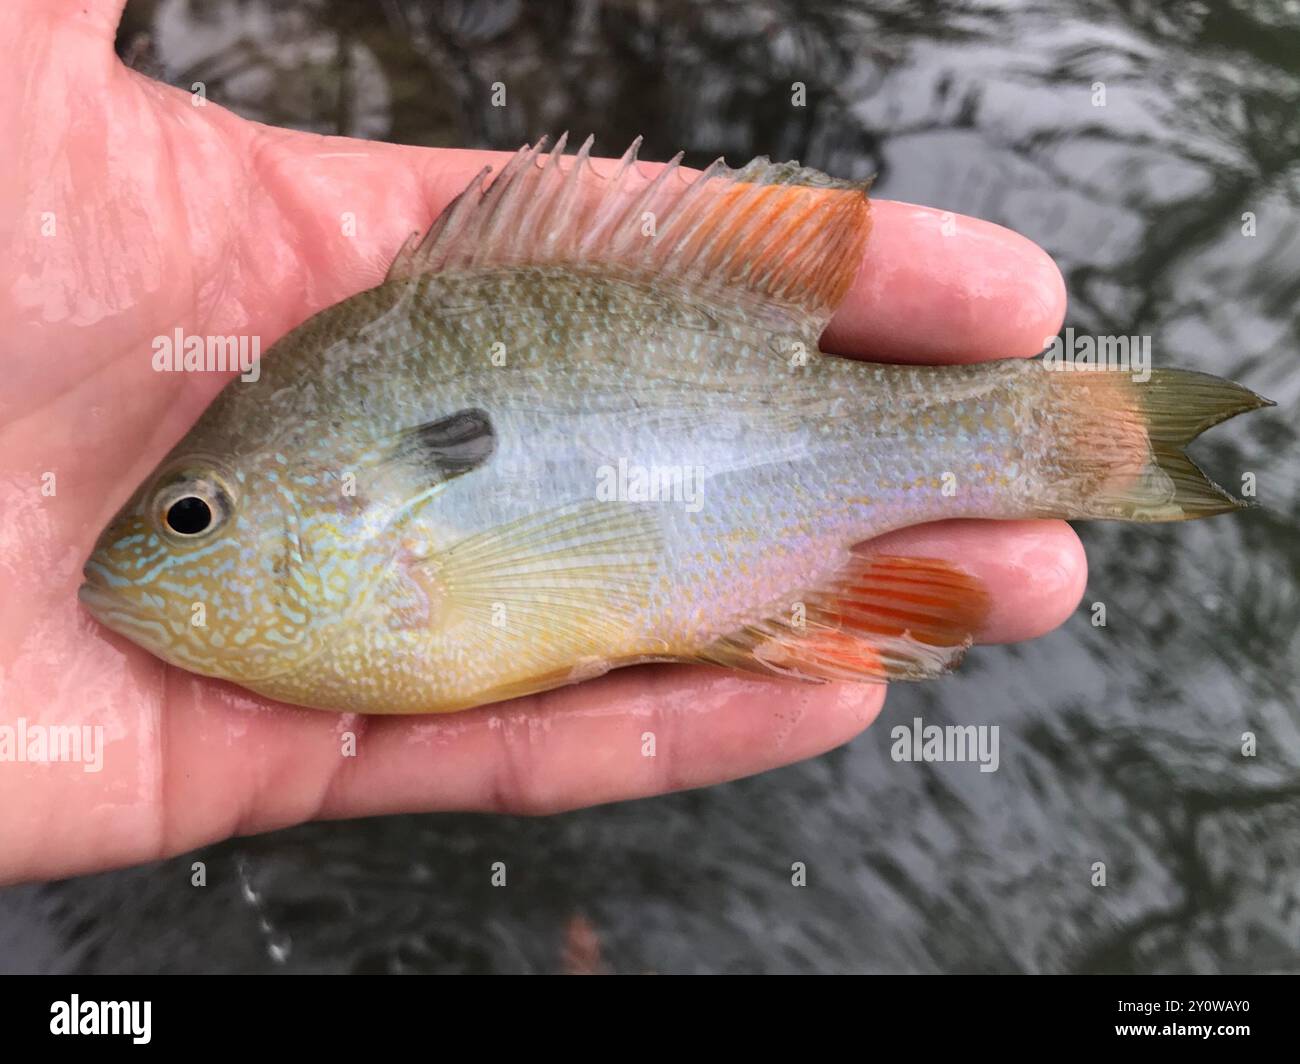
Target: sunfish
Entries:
(584, 423)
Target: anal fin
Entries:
(883, 618)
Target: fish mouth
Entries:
(103, 603)
(114, 611)
(93, 592)
(95, 599)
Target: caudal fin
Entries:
(1119, 444)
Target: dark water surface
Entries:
(1120, 744)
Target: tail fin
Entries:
(1119, 443)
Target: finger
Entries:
(937, 287)
(635, 732)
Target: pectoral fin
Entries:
(564, 590)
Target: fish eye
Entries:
(190, 508)
(189, 516)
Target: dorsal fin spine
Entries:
(548, 188)
(567, 195)
(629, 222)
(608, 209)
(513, 176)
(685, 203)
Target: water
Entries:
(1120, 744)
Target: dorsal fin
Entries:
(789, 234)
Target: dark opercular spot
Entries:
(189, 516)
(455, 444)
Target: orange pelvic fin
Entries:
(884, 618)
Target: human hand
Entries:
(131, 212)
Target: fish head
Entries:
(219, 566)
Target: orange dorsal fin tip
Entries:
(786, 233)
(882, 618)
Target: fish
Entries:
(584, 423)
